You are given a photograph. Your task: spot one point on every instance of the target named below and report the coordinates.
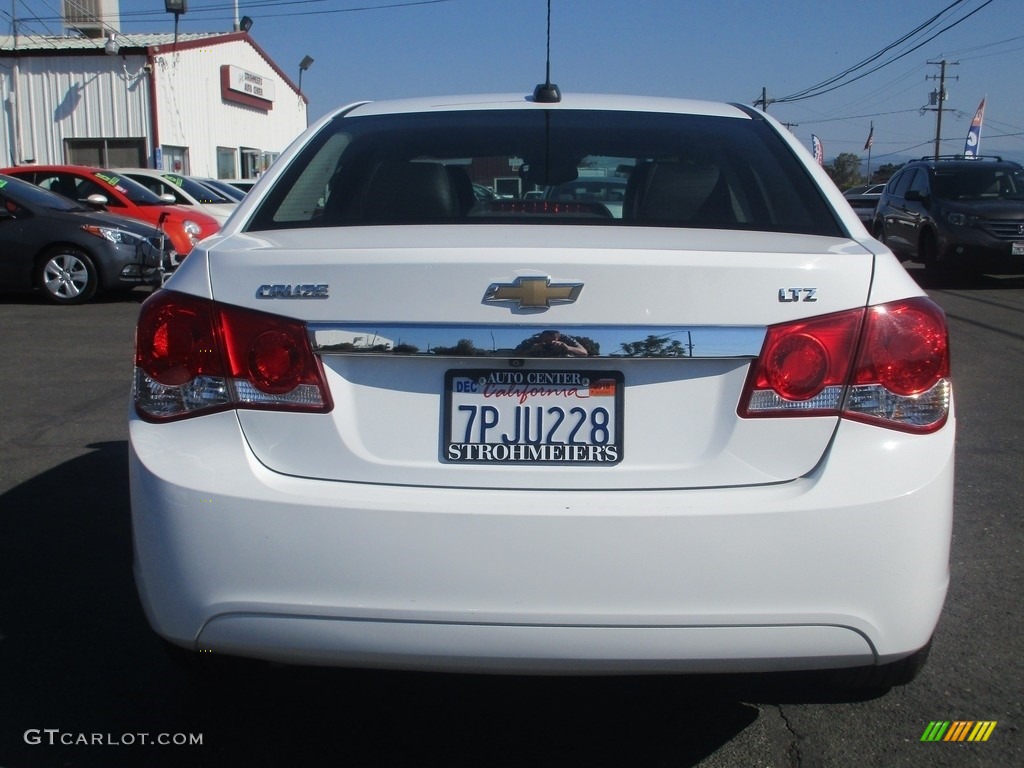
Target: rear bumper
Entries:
(848, 566)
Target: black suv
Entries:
(955, 212)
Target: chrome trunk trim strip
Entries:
(522, 341)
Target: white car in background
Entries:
(184, 190)
(221, 187)
(380, 422)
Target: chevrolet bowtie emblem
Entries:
(533, 292)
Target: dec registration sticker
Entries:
(505, 416)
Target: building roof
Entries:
(53, 44)
(135, 43)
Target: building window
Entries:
(226, 167)
(175, 159)
(252, 162)
(106, 153)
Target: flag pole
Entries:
(871, 141)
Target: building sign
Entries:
(240, 85)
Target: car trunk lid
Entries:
(408, 321)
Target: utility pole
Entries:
(940, 98)
(763, 101)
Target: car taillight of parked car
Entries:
(887, 365)
(194, 356)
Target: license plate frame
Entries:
(579, 423)
(1017, 249)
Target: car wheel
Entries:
(883, 676)
(67, 276)
(928, 251)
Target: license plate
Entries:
(514, 416)
(1017, 249)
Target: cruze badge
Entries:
(532, 292)
(279, 291)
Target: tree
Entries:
(464, 348)
(653, 346)
(885, 172)
(845, 170)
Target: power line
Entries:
(831, 84)
(219, 10)
(873, 57)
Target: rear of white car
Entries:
(378, 423)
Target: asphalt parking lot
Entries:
(85, 683)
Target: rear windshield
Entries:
(548, 167)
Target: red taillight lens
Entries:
(194, 356)
(275, 362)
(797, 366)
(906, 348)
(176, 341)
(803, 367)
(900, 380)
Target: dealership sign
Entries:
(244, 87)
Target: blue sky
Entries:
(724, 51)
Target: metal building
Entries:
(201, 104)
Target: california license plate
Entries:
(516, 416)
(1017, 249)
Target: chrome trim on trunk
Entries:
(521, 341)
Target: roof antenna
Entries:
(547, 92)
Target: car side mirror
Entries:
(168, 198)
(97, 200)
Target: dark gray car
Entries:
(955, 213)
(69, 252)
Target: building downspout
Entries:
(15, 118)
(16, 153)
(155, 157)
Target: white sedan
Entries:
(184, 191)
(378, 422)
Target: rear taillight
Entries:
(887, 365)
(194, 356)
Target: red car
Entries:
(103, 189)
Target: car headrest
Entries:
(672, 191)
(408, 192)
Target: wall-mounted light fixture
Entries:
(111, 47)
(177, 7)
(306, 63)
